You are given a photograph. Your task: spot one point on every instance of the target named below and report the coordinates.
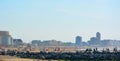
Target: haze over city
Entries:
(61, 20)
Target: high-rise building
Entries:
(78, 40)
(95, 40)
(5, 38)
(98, 36)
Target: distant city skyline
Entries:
(60, 20)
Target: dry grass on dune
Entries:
(12, 58)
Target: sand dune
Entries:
(13, 58)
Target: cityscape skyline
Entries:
(60, 20)
(73, 41)
(7, 40)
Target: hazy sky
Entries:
(60, 19)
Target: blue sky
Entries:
(60, 20)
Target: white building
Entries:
(5, 38)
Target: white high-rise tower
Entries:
(98, 36)
(5, 38)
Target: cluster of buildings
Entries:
(7, 40)
(50, 43)
(96, 41)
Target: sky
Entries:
(61, 20)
